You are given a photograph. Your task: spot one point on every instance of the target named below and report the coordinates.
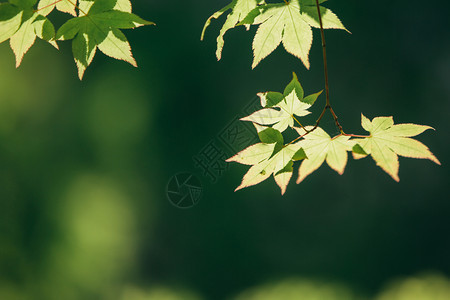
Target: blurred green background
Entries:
(84, 166)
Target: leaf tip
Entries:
(306, 65)
(435, 160)
(18, 61)
(229, 159)
(255, 62)
(294, 76)
(239, 188)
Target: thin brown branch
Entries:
(51, 4)
(324, 52)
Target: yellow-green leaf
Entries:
(387, 141)
(320, 147)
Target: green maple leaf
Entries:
(320, 147)
(265, 161)
(290, 24)
(290, 103)
(21, 24)
(98, 27)
(387, 141)
(239, 10)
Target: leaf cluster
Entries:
(287, 22)
(313, 146)
(94, 24)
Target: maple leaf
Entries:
(282, 118)
(265, 161)
(21, 24)
(387, 141)
(290, 24)
(288, 104)
(97, 26)
(239, 10)
(320, 147)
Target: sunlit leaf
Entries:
(239, 9)
(262, 170)
(282, 117)
(320, 147)
(283, 177)
(253, 154)
(21, 24)
(387, 141)
(288, 23)
(67, 6)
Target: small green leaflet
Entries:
(97, 26)
(239, 10)
(21, 24)
(290, 24)
(320, 147)
(387, 141)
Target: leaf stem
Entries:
(327, 86)
(325, 70)
(356, 135)
(295, 119)
(77, 7)
(324, 52)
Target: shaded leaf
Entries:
(294, 85)
(271, 135)
(10, 20)
(98, 26)
(311, 99)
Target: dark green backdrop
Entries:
(84, 165)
